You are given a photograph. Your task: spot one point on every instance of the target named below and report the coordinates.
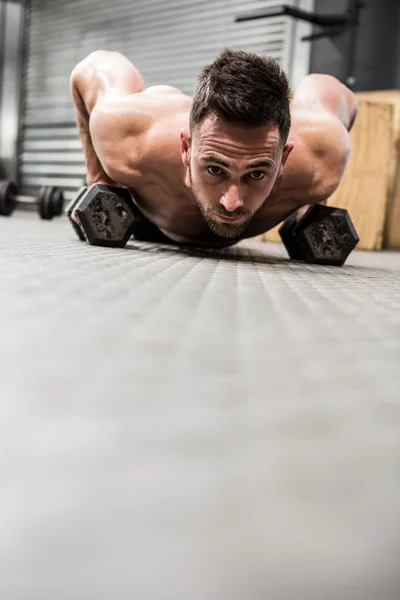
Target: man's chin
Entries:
(226, 230)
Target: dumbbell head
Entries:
(106, 215)
(8, 190)
(50, 202)
(291, 243)
(324, 235)
(71, 206)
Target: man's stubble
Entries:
(225, 230)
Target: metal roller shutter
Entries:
(168, 40)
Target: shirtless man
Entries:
(231, 162)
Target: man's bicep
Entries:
(117, 117)
(330, 147)
(119, 131)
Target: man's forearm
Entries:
(95, 171)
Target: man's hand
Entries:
(97, 181)
(302, 211)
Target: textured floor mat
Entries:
(194, 424)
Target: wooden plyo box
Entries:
(370, 188)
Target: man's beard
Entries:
(225, 230)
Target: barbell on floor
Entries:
(49, 202)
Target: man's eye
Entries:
(257, 175)
(214, 170)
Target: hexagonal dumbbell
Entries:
(70, 208)
(49, 203)
(105, 215)
(324, 235)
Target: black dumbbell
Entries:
(106, 215)
(49, 202)
(324, 235)
(70, 208)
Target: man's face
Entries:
(232, 171)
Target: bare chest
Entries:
(164, 196)
(173, 209)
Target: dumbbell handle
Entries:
(25, 199)
(48, 202)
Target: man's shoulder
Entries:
(135, 114)
(162, 89)
(160, 101)
(321, 131)
(140, 129)
(323, 148)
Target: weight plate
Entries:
(8, 190)
(44, 202)
(56, 202)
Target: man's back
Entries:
(136, 135)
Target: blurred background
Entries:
(169, 41)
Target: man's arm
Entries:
(330, 141)
(330, 151)
(96, 80)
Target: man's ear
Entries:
(285, 154)
(185, 146)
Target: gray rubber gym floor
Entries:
(190, 425)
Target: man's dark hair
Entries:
(243, 88)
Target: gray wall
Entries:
(11, 32)
(168, 40)
(377, 60)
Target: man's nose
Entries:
(232, 199)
